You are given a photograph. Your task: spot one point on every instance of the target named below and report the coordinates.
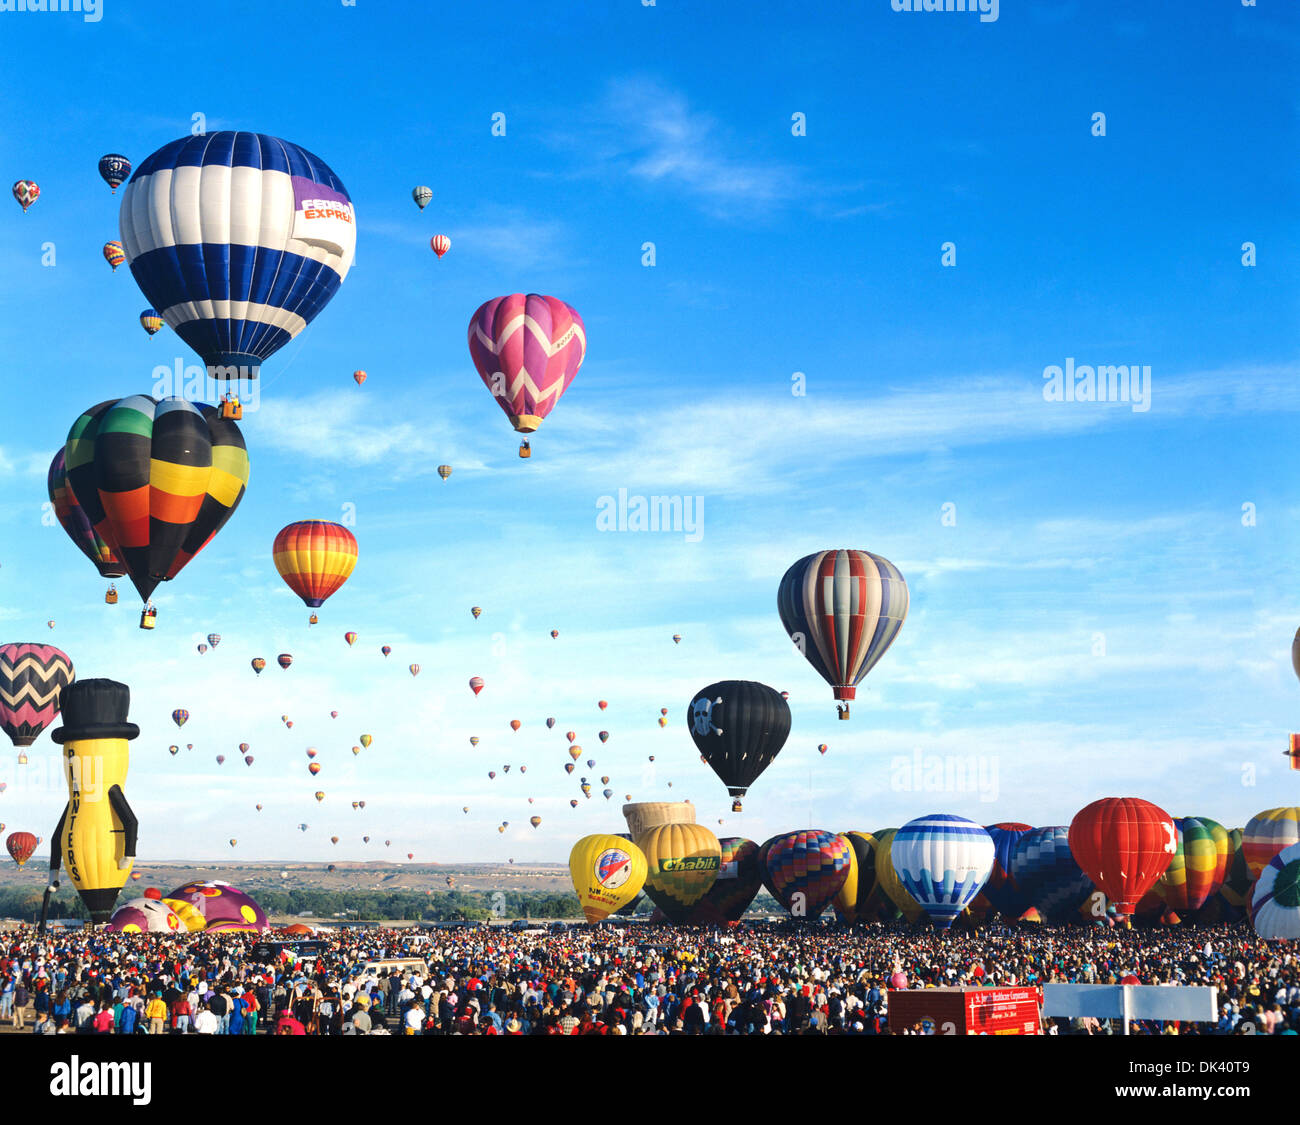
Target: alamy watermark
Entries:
(680, 514)
(945, 773)
(92, 11)
(1123, 382)
(196, 383)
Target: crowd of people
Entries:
(609, 980)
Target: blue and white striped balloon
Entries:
(943, 862)
(239, 240)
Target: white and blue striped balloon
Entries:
(239, 240)
(943, 862)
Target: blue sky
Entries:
(1081, 528)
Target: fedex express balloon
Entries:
(238, 240)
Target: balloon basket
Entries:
(147, 619)
(843, 711)
(525, 450)
(110, 598)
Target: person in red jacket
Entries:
(288, 1025)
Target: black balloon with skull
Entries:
(739, 726)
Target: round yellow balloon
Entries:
(889, 881)
(682, 865)
(608, 872)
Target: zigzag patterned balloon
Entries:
(527, 349)
(31, 679)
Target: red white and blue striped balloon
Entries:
(943, 861)
(843, 609)
(239, 240)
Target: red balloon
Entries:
(1123, 845)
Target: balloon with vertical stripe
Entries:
(1046, 873)
(32, 679)
(1267, 833)
(315, 558)
(1275, 901)
(843, 609)
(239, 240)
(1124, 844)
(156, 479)
(1199, 864)
(72, 518)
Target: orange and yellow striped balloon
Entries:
(315, 558)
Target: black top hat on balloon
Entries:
(95, 709)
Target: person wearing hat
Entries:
(96, 833)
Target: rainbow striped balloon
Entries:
(156, 479)
(1266, 834)
(1199, 865)
(315, 558)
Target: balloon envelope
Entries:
(32, 679)
(739, 727)
(1124, 844)
(843, 608)
(805, 870)
(1275, 901)
(943, 861)
(315, 558)
(239, 240)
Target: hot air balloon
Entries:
(113, 254)
(571, 735)
(315, 557)
(515, 724)
(414, 669)
(214, 639)
(569, 767)
(421, 195)
(1000, 891)
(359, 377)
(943, 861)
(1046, 874)
(608, 873)
(1275, 901)
(114, 168)
(284, 660)
(444, 471)
(663, 722)
(575, 752)
(351, 638)
(805, 870)
(74, 521)
(1198, 867)
(607, 794)
(320, 795)
(20, 846)
(550, 723)
(1266, 834)
(157, 479)
(1124, 844)
(32, 680)
(202, 649)
(739, 880)
(240, 240)
(220, 759)
(356, 750)
(475, 611)
(180, 716)
(535, 821)
(313, 768)
(603, 736)
(476, 684)
(891, 885)
(843, 610)
(601, 704)
(440, 244)
(682, 864)
(527, 350)
(151, 321)
(311, 751)
(248, 759)
(859, 898)
(591, 763)
(26, 192)
(473, 740)
(366, 740)
(573, 804)
(173, 750)
(739, 727)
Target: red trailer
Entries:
(967, 1011)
